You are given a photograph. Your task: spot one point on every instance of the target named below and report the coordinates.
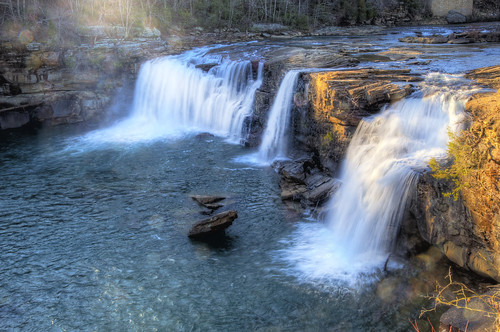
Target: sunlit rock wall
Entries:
(328, 107)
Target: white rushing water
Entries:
(275, 138)
(381, 167)
(173, 97)
(274, 143)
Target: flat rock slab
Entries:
(207, 200)
(212, 226)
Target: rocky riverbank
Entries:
(63, 85)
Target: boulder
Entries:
(213, 226)
(455, 17)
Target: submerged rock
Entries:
(478, 314)
(207, 200)
(212, 226)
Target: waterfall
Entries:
(173, 96)
(382, 164)
(275, 138)
(381, 167)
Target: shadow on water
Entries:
(217, 241)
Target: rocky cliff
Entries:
(44, 84)
(327, 108)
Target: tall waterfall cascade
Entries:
(174, 96)
(275, 138)
(382, 165)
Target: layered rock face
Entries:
(40, 84)
(467, 230)
(327, 114)
(280, 61)
(327, 108)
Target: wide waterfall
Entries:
(382, 164)
(275, 138)
(173, 95)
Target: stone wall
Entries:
(442, 7)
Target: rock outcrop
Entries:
(278, 62)
(39, 84)
(325, 118)
(213, 226)
(328, 107)
(449, 225)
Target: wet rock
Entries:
(455, 17)
(419, 63)
(449, 225)
(475, 316)
(213, 226)
(436, 39)
(206, 66)
(400, 54)
(301, 181)
(461, 41)
(488, 76)
(320, 189)
(467, 37)
(13, 119)
(297, 57)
